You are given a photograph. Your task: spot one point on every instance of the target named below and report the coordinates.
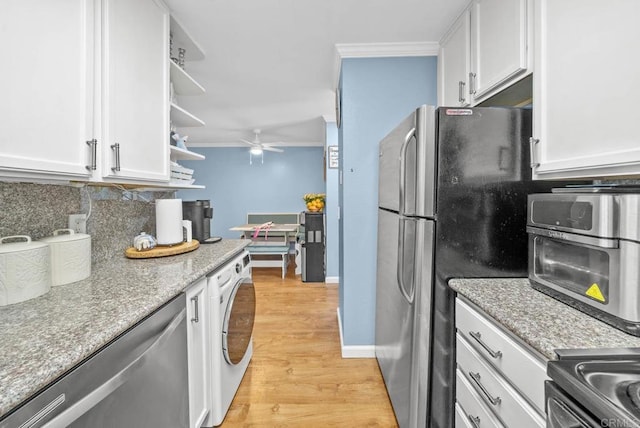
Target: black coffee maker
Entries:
(200, 213)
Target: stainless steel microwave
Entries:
(584, 249)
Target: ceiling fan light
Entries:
(256, 150)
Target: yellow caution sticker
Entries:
(595, 293)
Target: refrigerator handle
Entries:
(403, 160)
(400, 264)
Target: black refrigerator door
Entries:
(478, 146)
(483, 181)
(481, 194)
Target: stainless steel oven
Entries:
(584, 249)
(593, 388)
(564, 412)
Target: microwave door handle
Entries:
(100, 393)
(403, 160)
(574, 238)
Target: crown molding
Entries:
(381, 50)
(329, 118)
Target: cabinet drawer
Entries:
(525, 371)
(472, 405)
(507, 403)
(461, 418)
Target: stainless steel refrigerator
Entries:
(453, 184)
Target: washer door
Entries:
(238, 321)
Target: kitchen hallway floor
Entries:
(297, 377)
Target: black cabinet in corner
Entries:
(312, 246)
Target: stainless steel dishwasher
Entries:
(138, 380)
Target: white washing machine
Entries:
(233, 308)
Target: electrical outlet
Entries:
(78, 222)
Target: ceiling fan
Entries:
(257, 147)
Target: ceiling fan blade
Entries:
(272, 149)
(251, 143)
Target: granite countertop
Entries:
(43, 338)
(541, 321)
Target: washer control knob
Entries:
(238, 268)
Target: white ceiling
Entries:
(271, 64)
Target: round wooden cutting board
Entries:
(162, 250)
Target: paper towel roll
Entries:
(168, 221)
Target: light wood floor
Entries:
(297, 377)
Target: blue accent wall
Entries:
(377, 93)
(332, 206)
(236, 188)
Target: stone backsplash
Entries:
(115, 215)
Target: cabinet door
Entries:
(47, 84)
(499, 43)
(135, 104)
(198, 351)
(454, 63)
(585, 88)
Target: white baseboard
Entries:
(354, 351)
(332, 279)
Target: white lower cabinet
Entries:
(198, 351)
(475, 411)
(462, 419)
(493, 368)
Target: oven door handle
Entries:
(574, 238)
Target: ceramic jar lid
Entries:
(25, 244)
(65, 235)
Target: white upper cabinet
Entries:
(135, 92)
(454, 63)
(486, 50)
(586, 86)
(85, 91)
(499, 42)
(47, 85)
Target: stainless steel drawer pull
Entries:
(472, 83)
(476, 379)
(478, 338)
(475, 421)
(461, 86)
(195, 318)
(533, 142)
(93, 144)
(116, 149)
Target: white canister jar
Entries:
(70, 256)
(25, 269)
